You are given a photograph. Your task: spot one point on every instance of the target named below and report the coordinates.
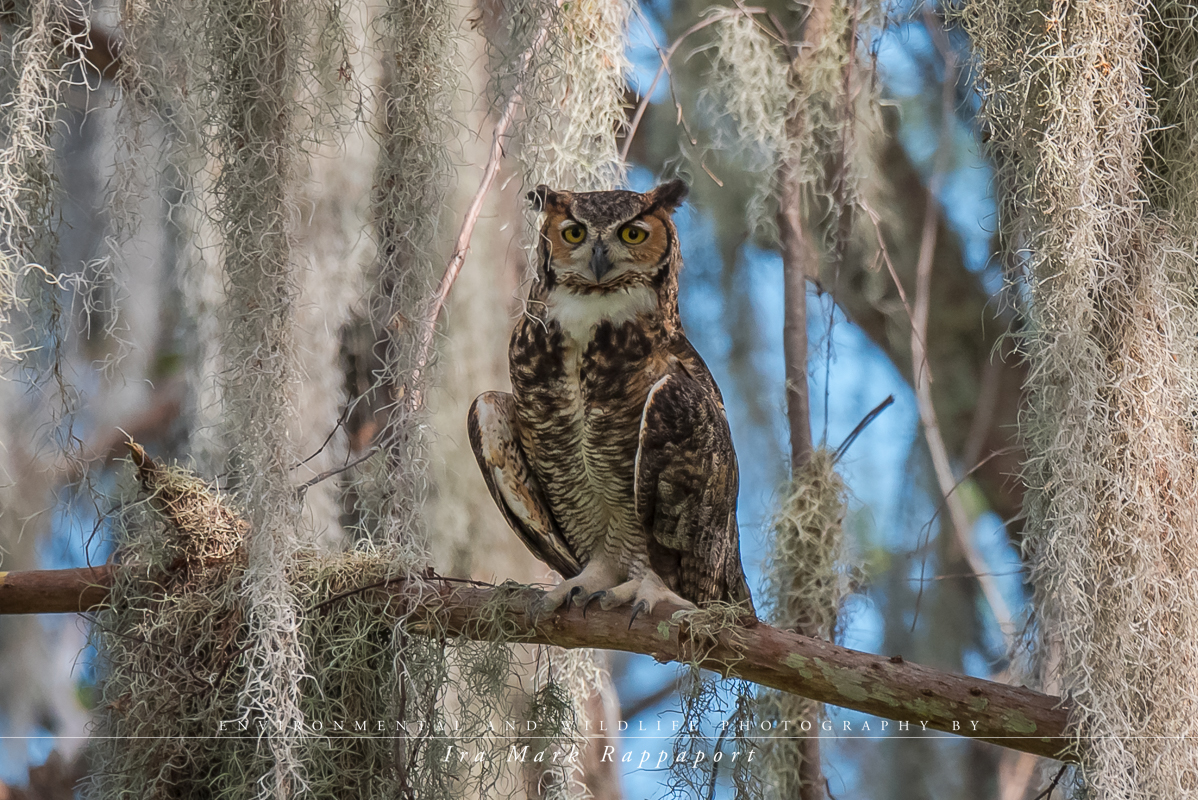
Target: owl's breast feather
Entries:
(580, 405)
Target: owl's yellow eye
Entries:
(633, 235)
(574, 234)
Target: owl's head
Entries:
(600, 242)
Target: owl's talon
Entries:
(547, 605)
(587, 603)
(643, 605)
(552, 601)
(575, 591)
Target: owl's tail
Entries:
(734, 575)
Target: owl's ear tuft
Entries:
(543, 197)
(670, 195)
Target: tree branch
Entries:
(58, 591)
(1010, 716)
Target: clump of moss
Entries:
(1092, 126)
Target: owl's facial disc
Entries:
(592, 255)
(609, 241)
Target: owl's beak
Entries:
(600, 262)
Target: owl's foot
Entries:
(588, 584)
(644, 593)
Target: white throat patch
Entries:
(578, 314)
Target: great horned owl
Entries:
(612, 457)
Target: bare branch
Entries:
(58, 591)
(1047, 793)
(799, 260)
(665, 56)
(865, 422)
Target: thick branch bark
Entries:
(58, 591)
(1011, 716)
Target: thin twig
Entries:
(667, 54)
(958, 575)
(862, 425)
(428, 576)
(328, 473)
(884, 254)
(995, 454)
(355, 591)
(936, 515)
(665, 57)
(922, 376)
(340, 422)
(1047, 793)
(473, 211)
(778, 34)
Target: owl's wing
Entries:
(514, 487)
(685, 491)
